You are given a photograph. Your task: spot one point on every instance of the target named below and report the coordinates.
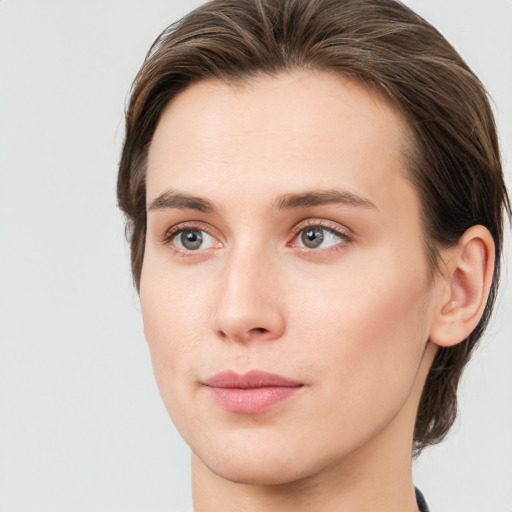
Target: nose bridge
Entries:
(248, 300)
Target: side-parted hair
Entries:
(453, 162)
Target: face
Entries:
(285, 290)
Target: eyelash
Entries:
(173, 233)
(343, 233)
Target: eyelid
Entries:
(171, 233)
(335, 227)
(345, 234)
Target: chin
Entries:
(261, 472)
(260, 461)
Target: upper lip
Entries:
(249, 380)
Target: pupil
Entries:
(192, 239)
(312, 237)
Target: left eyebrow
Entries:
(321, 197)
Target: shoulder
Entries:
(420, 499)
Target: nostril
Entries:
(243, 322)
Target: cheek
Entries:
(368, 330)
(174, 327)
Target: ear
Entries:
(465, 280)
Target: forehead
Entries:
(297, 130)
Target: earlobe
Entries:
(466, 274)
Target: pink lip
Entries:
(251, 393)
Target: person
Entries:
(315, 206)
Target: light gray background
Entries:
(82, 427)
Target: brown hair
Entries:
(454, 164)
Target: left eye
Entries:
(193, 239)
(314, 237)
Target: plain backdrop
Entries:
(82, 427)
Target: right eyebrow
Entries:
(171, 199)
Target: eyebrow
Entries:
(321, 197)
(171, 199)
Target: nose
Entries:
(249, 303)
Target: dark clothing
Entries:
(420, 500)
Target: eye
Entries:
(317, 236)
(192, 239)
(312, 237)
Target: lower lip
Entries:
(251, 400)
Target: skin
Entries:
(350, 319)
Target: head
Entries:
(376, 49)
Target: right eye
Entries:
(192, 240)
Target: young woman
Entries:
(315, 203)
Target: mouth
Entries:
(251, 393)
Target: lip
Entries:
(250, 393)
